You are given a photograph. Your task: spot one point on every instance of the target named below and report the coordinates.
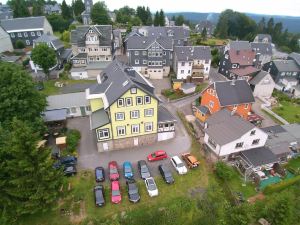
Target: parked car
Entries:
(99, 174)
(127, 169)
(39, 86)
(157, 155)
(178, 164)
(99, 195)
(190, 160)
(151, 187)
(133, 191)
(70, 170)
(166, 174)
(143, 169)
(65, 161)
(115, 192)
(113, 171)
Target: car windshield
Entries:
(144, 169)
(113, 170)
(132, 190)
(99, 172)
(127, 170)
(115, 193)
(151, 185)
(168, 174)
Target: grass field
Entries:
(177, 94)
(289, 111)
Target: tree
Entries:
(28, 183)
(78, 7)
(44, 56)
(204, 34)
(224, 171)
(156, 19)
(270, 26)
(149, 17)
(99, 14)
(38, 8)
(65, 37)
(20, 44)
(124, 15)
(240, 215)
(58, 23)
(18, 97)
(65, 10)
(261, 26)
(179, 21)
(161, 18)
(19, 8)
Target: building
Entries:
(192, 61)
(262, 85)
(235, 95)
(117, 42)
(26, 29)
(227, 134)
(207, 25)
(296, 57)
(52, 9)
(86, 14)
(150, 56)
(263, 38)
(237, 46)
(90, 71)
(125, 110)
(5, 12)
(5, 42)
(263, 50)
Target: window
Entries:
(120, 102)
(136, 61)
(135, 129)
(165, 52)
(253, 132)
(144, 52)
(182, 71)
(148, 127)
(189, 71)
(32, 34)
(246, 106)
(73, 110)
(96, 49)
(190, 63)
(120, 116)
(144, 61)
(88, 108)
(134, 114)
(121, 131)
(136, 52)
(164, 61)
(239, 145)
(38, 33)
(19, 35)
(139, 100)
(147, 99)
(12, 35)
(234, 107)
(103, 134)
(149, 112)
(182, 63)
(27, 42)
(104, 49)
(133, 90)
(128, 101)
(25, 34)
(255, 142)
(211, 104)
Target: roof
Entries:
(12, 58)
(286, 65)
(25, 23)
(204, 23)
(259, 156)
(233, 92)
(98, 65)
(239, 45)
(66, 101)
(262, 36)
(242, 57)
(186, 86)
(99, 118)
(258, 77)
(244, 71)
(164, 115)
(82, 55)
(66, 53)
(274, 129)
(262, 48)
(104, 32)
(188, 53)
(133, 33)
(136, 42)
(295, 56)
(203, 109)
(55, 115)
(47, 38)
(223, 127)
(293, 129)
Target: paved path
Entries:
(267, 121)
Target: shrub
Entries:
(73, 137)
(20, 44)
(281, 185)
(26, 62)
(68, 66)
(224, 171)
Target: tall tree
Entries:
(78, 7)
(58, 23)
(270, 26)
(19, 8)
(261, 26)
(99, 14)
(124, 14)
(38, 8)
(161, 18)
(204, 34)
(44, 56)
(65, 10)
(156, 20)
(179, 21)
(149, 17)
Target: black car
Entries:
(99, 195)
(133, 191)
(70, 170)
(166, 174)
(99, 174)
(68, 160)
(143, 169)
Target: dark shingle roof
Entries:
(262, 48)
(55, 115)
(188, 53)
(47, 38)
(164, 115)
(239, 45)
(259, 156)
(99, 118)
(258, 77)
(80, 56)
(25, 23)
(233, 92)
(295, 56)
(136, 42)
(286, 65)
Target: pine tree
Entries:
(204, 34)
(161, 18)
(65, 10)
(156, 19)
(78, 7)
(149, 17)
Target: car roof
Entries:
(115, 185)
(160, 152)
(192, 158)
(127, 163)
(176, 159)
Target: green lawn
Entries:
(208, 41)
(289, 111)
(294, 165)
(177, 94)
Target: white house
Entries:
(227, 135)
(262, 85)
(5, 42)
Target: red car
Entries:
(113, 171)
(157, 155)
(115, 192)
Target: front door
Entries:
(82, 109)
(136, 141)
(105, 146)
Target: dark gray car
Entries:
(143, 169)
(99, 195)
(166, 174)
(133, 191)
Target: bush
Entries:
(68, 66)
(224, 171)
(26, 62)
(281, 185)
(20, 44)
(73, 137)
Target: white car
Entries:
(178, 164)
(151, 187)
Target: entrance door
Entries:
(136, 141)
(83, 112)
(105, 147)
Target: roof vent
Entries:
(144, 42)
(125, 83)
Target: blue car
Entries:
(127, 169)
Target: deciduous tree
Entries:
(99, 14)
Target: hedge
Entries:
(73, 137)
(281, 185)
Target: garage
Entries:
(165, 136)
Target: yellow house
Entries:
(125, 110)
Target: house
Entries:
(5, 12)
(237, 46)
(285, 73)
(117, 42)
(86, 14)
(263, 50)
(75, 104)
(5, 42)
(125, 111)
(235, 95)
(151, 56)
(227, 134)
(284, 140)
(26, 29)
(192, 61)
(207, 25)
(52, 9)
(262, 84)
(263, 38)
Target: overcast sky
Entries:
(270, 7)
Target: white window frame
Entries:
(32, 34)
(148, 127)
(12, 35)
(135, 114)
(211, 104)
(120, 102)
(144, 52)
(121, 131)
(149, 112)
(128, 101)
(182, 71)
(120, 116)
(133, 90)
(73, 110)
(105, 134)
(147, 101)
(141, 98)
(239, 145)
(27, 42)
(38, 33)
(19, 34)
(145, 62)
(136, 52)
(135, 128)
(25, 34)
(136, 61)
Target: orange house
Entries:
(235, 95)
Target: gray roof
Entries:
(259, 77)
(52, 8)
(224, 128)
(80, 56)
(104, 32)
(67, 101)
(295, 56)
(25, 23)
(66, 53)
(78, 69)
(262, 36)
(293, 129)
(233, 92)
(259, 156)
(117, 78)
(133, 33)
(12, 58)
(99, 118)
(286, 65)
(47, 38)
(189, 53)
(98, 65)
(239, 45)
(262, 48)
(136, 42)
(204, 24)
(164, 115)
(55, 115)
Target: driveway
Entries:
(268, 121)
(160, 85)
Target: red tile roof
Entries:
(242, 57)
(244, 71)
